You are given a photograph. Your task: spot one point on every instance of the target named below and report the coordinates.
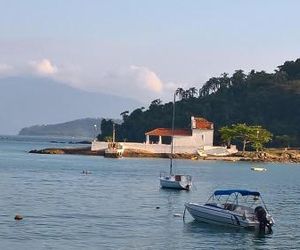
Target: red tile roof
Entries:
(202, 123)
(168, 132)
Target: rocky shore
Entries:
(269, 155)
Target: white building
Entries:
(200, 135)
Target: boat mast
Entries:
(114, 134)
(172, 138)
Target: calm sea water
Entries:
(115, 206)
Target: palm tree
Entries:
(124, 114)
(185, 94)
(192, 92)
(179, 92)
(204, 91)
(156, 102)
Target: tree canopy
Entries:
(256, 136)
(270, 100)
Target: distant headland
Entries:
(85, 128)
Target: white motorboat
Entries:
(238, 208)
(174, 181)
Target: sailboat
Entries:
(174, 181)
(114, 149)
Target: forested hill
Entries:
(271, 100)
(86, 127)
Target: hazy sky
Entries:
(145, 49)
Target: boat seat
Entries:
(229, 206)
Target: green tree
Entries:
(254, 135)
(179, 92)
(124, 115)
(156, 102)
(227, 134)
(259, 137)
(238, 77)
(106, 129)
(284, 140)
(242, 132)
(192, 92)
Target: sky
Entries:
(143, 49)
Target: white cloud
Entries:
(136, 82)
(147, 77)
(43, 67)
(5, 69)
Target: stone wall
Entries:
(98, 145)
(153, 148)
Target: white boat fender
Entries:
(177, 215)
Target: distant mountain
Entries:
(88, 127)
(26, 101)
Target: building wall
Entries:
(198, 139)
(204, 137)
(98, 145)
(153, 148)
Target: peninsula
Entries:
(269, 155)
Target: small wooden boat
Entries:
(114, 149)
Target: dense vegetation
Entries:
(256, 136)
(270, 100)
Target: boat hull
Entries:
(113, 153)
(172, 183)
(219, 216)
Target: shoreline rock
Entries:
(72, 151)
(270, 155)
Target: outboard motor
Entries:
(261, 215)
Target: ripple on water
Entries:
(115, 207)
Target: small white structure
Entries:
(199, 135)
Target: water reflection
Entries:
(231, 235)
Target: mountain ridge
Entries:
(27, 100)
(85, 127)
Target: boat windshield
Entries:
(237, 197)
